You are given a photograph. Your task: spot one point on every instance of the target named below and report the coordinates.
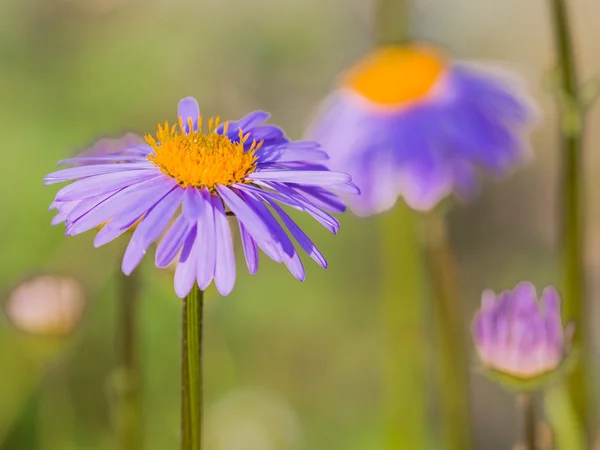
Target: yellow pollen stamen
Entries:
(395, 75)
(202, 159)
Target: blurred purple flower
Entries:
(241, 168)
(517, 336)
(405, 121)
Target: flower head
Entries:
(46, 305)
(518, 336)
(407, 121)
(187, 179)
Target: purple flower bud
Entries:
(519, 336)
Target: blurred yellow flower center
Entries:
(202, 159)
(395, 75)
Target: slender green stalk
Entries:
(453, 377)
(392, 20)
(191, 371)
(129, 409)
(529, 428)
(403, 312)
(572, 211)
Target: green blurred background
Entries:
(288, 365)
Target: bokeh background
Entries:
(287, 366)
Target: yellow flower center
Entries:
(395, 75)
(202, 159)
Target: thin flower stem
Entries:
(392, 21)
(453, 376)
(403, 315)
(191, 371)
(129, 408)
(572, 211)
(529, 428)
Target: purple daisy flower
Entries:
(407, 122)
(516, 335)
(187, 182)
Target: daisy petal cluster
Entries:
(409, 121)
(181, 185)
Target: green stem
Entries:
(572, 227)
(529, 440)
(392, 20)
(403, 314)
(191, 371)
(453, 377)
(129, 408)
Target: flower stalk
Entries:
(129, 396)
(404, 317)
(403, 310)
(573, 264)
(453, 377)
(191, 371)
(529, 428)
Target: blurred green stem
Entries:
(527, 403)
(392, 21)
(403, 314)
(191, 371)
(129, 409)
(403, 309)
(453, 377)
(572, 214)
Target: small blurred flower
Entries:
(199, 177)
(46, 305)
(517, 336)
(407, 121)
(252, 419)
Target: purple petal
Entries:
(149, 229)
(302, 239)
(277, 235)
(269, 134)
(252, 120)
(135, 204)
(64, 209)
(295, 266)
(108, 234)
(280, 155)
(306, 177)
(104, 184)
(225, 260)
(103, 158)
(551, 304)
(321, 198)
(185, 273)
(63, 175)
(327, 220)
(206, 236)
(244, 213)
(192, 204)
(188, 109)
(172, 241)
(250, 249)
(109, 208)
(85, 206)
